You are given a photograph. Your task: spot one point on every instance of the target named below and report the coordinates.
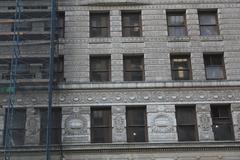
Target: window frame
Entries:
(107, 58)
(137, 125)
(18, 129)
(222, 65)
(124, 26)
(99, 13)
(192, 123)
(104, 126)
(126, 70)
(177, 13)
(189, 69)
(43, 130)
(209, 12)
(222, 120)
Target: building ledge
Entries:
(112, 2)
(135, 147)
(160, 84)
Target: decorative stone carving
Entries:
(161, 124)
(75, 124)
(204, 122)
(119, 124)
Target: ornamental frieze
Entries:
(127, 96)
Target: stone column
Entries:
(119, 124)
(76, 125)
(161, 123)
(236, 120)
(204, 122)
(32, 133)
(2, 115)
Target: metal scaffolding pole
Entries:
(51, 72)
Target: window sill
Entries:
(211, 38)
(178, 39)
(99, 40)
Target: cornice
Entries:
(135, 147)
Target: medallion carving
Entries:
(119, 124)
(75, 124)
(162, 124)
(205, 122)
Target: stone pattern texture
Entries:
(159, 93)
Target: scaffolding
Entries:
(17, 35)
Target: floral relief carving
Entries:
(119, 124)
(75, 125)
(205, 122)
(162, 124)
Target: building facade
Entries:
(134, 80)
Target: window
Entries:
(101, 126)
(181, 67)
(208, 23)
(17, 126)
(222, 122)
(131, 24)
(186, 123)
(100, 68)
(55, 125)
(60, 25)
(136, 124)
(133, 68)
(99, 24)
(176, 22)
(214, 66)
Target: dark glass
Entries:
(100, 69)
(186, 133)
(136, 124)
(222, 122)
(55, 123)
(99, 25)
(131, 24)
(133, 68)
(208, 23)
(101, 129)
(223, 132)
(181, 68)
(186, 123)
(136, 134)
(176, 24)
(209, 30)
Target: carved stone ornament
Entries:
(119, 124)
(75, 124)
(162, 124)
(204, 122)
(32, 124)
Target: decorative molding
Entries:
(205, 122)
(121, 97)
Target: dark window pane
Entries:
(187, 133)
(133, 68)
(215, 72)
(99, 24)
(176, 24)
(176, 20)
(55, 125)
(101, 117)
(133, 76)
(214, 66)
(136, 124)
(208, 23)
(136, 116)
(177, 31)
(131, 24)
(101, 135)
(186, 123)
(100, 68)
(17, 127)
(136, 134)
(181, 69)
(209, 30)
(208, 19)
(18, 137)
(131, 32)
(222, 122)
(101, 129)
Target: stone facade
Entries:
(159, 93)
